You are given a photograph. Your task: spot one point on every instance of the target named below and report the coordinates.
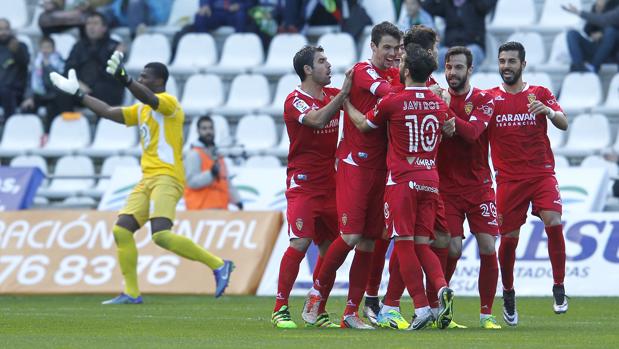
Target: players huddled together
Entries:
(410, 165)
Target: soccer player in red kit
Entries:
(311, 115)
(415, 118)
(466, 179)
(361, 174)
(524, 168)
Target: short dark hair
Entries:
(100, 15)
(383, 29)
(513, 46)
(49, 39)
(419, 62)
(303, 57)
(420, 35)
(160, 71)
(204, 118)
(460, 50)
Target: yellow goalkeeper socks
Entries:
(128, 259)
(185, 247)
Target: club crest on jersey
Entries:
(468, 108)
(299, 224)
(301, 105)
(344, 219)
(386, 210)
(531, 97)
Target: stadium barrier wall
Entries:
(74, 252)
(592, 268)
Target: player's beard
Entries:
(460, 84)
(516, 74)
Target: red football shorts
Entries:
(311, 215)
(410, 208)
(441, 223)
(479, 209)
(360, 193)
(513, 199)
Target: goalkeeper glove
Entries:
(68, 85)
(116, 68)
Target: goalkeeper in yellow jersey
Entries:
(159, 118)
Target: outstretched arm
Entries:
(320, 117)
(357, 117)
(116, 68)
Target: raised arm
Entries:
(320, 117)
(116, 68)
(357, 117)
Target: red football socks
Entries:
(507, 258)
(357, 280)
(376, 268)
(556, 252)
(288, 271)
(411, 272)
(488, 276)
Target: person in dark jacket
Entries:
(14, 58)
(89, 58)
(465, 25)
(601, 26)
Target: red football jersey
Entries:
(462, 163)
(369, 84)
(311, 157)
(415, 116)
(519, 142)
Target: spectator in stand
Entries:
(89, 58)
(601, 26)
(213, 14)
(413, 14)
(465, 25)
(40, 91)
(57, 16)
(14, 58)
(301, 13)
(267, 16)
(137, 14)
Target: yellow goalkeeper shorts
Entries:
(154, 197)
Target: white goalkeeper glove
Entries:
(68, 85)
(116, 68)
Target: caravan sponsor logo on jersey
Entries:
(422, 187)
(514, 120)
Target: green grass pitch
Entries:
(243, 322)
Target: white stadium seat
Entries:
(111, 138)
(202, 93)
(148, 48)
(485, 81)
(534, 47)
(539, 79)
(589, 134)
(559, 59)
(64, 44)
(31, 161)
(66, 136)
(181, 14)
(611, 106)
(21, 133)
(282, 49)
(555, 136)
(555, 18)
(70, 166)
(248, 93)
(511, 15)
(285, 86)
(366, 49)
(561, 162)
(222, 132)
(16, 12)
(241, 53)
(77, 202)
(340, 50)
(593, 161)
(107, 169)
(33, 28)
(263, 161)
(171, 87)
(281, 150)
(196, 52)
(379, 10)
(491, 61)
(580, 92)
(337, 80)
(256, 133)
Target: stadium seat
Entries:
(248, 93)
(263, 161)
(73, 166)
(16, 12)
(33, 28)
(26, 40)
(539, 79)
(196, 52)
(580, 92)
(589, 134)
(77, 202)
(107, 169)
(64, 44)
(31, 161)
(281, 150)
(491, 61)
(555, 136)
(379, 11)
(559, 59)
(111, 138)
(486, 81)
(171, 87)
(534, 46)
(593, 161)
(340, 50)
(181, 14)
(256, 133)
(148, 48)
(21, 133)
(222, 132)
(365, 49)
(556, 19)
(337, 80)
(281, 52)
(201, 93)
(611, 106)
(241, 53)
(561, 162)
(66, 136)
(513, 15)
(285, 86)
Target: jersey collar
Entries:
(526, 87)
